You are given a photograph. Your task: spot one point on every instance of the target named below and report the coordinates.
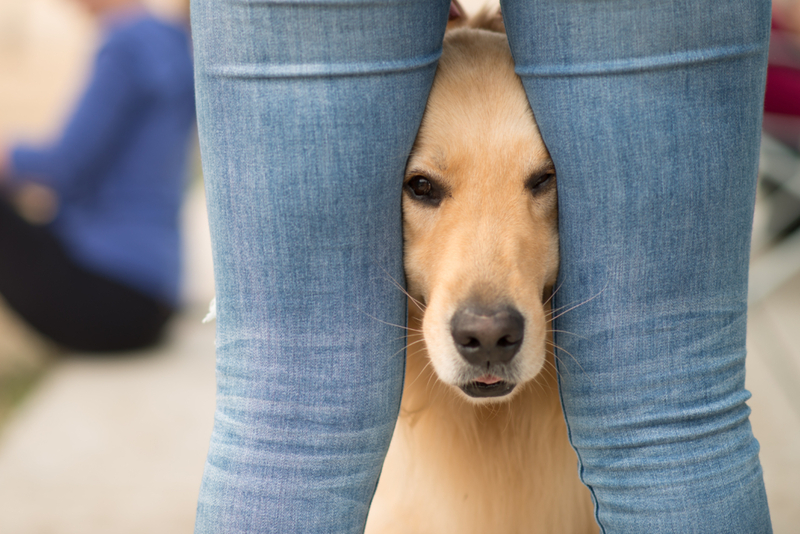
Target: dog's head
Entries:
(480, 223)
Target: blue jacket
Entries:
(120, 164)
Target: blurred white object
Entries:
(212, 311)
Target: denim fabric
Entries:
(307, 110)
(652, 113)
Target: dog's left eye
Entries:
(539, 182)
(422, 189)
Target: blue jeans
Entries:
(651, 111)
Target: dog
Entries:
(480, 444)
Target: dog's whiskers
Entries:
(415, 342)
(572, 307)
(567, 332)
(561, 349)
(550, 368)
(406, 347)
(399, 286)
(415, 330)
(553, 294)
(557, 359)
(422, 371)
(556, 356)
(411, 332)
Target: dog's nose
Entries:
(487, 336)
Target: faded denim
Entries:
(307, 110)
(653, 117)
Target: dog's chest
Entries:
(451, 470)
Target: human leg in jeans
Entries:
(307, 112)
(652, 113)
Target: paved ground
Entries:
(773, 377)
(112, 446)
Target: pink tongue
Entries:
(488, 380)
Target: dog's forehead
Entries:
(454, 161)
(479, 155)
(478, 114)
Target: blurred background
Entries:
(117, 445)
(90, 444)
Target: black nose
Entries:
(487, 336)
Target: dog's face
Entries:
(480, 223)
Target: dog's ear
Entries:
(488, 19)
(457, 17)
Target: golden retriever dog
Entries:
(481, 444)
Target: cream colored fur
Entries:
(456, 464)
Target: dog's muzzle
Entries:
(487, 339)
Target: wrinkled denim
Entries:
(307, 111)
(652, 113)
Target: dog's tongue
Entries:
(488, 380)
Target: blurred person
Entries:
(781, 102)
(103, 274)
(782, 120)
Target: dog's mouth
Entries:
(487, 386)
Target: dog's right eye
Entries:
(422, 189)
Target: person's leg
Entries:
(307, 112)
(76, 308)
(652, 113)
